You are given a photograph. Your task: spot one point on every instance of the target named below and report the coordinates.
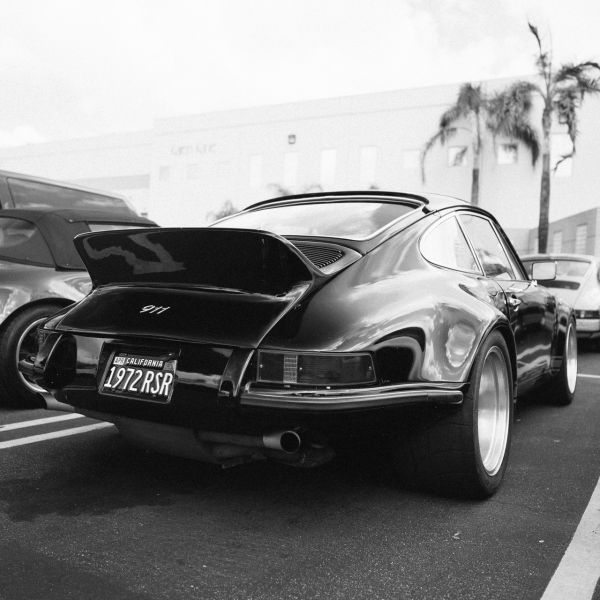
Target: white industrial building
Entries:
(185, 169)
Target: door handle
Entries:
(514, 302)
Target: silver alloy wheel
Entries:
(493, 410)
(571, 358)
(27, 346)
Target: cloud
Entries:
(21, 135)
(73, 68)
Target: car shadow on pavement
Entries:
(109, 475)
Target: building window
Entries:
(328, 158)
(557, 238)
(256, 163)
(411, 159)
(290, 169)
(291, 139)
(507, 154)
(561, 146)
(457, 156)
(581, 239)
(368, 165)
(193, 171)
(164, 173)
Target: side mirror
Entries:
(544, 271)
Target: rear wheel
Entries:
(18, 340)
(465, 451)
(561, 389)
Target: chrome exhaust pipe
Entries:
(288, 441)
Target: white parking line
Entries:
(588, 376)
(579, 570)
(32, 439)
(43, 421)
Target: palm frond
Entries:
(443, 134)
(426, 148)
(562, 159)
(529, 137)
(536, 34)
(544, 59)
(566, 103)
(469, 99)
(508, 115)
(451, 116)
(583, 77)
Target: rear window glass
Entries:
(348, 220)
(22, 241)
(33, 194)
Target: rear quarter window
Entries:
(22, 241)
(444, 244)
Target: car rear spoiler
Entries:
(236, 259)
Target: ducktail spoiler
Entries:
(235, 259)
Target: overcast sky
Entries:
(76, 68)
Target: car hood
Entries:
(213, 286)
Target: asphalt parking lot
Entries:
(83, 515)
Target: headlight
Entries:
(315, 368)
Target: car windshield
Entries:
(348, 220)
(569, 273)
(34, 194)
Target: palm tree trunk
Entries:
(475, 187)
(545, 185)
(544, 204)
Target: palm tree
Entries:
(562, 91)
(503, 113)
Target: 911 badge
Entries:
(152, 309)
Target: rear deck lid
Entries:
(213, 286)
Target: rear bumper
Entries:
(352, 399)
(283, 402)
(588, 328)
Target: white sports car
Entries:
(577, 283)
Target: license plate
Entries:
(140, 377)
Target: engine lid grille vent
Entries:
(320, 256)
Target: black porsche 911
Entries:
(307, 323)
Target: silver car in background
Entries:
(577, 282)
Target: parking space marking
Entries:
(32, 439)
(35, 422)
(579, 570)
(588, 376)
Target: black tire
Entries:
(449, 452)
(561, 389)
(17, 339)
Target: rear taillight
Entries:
(318, 369)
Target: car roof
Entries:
(423, 204)
(75, 215)
(57, 183)
(432, 202)
(560, 256)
